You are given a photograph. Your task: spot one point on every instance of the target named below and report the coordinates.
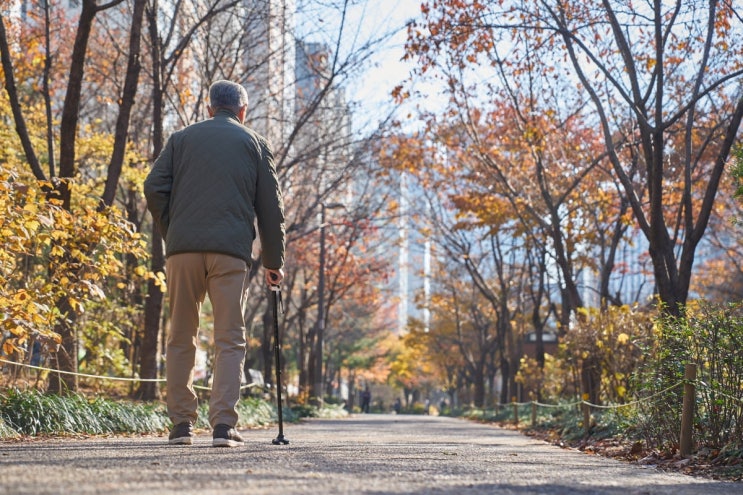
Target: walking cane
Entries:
(276, 291)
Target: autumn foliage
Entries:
(49, 254)
(570, 161)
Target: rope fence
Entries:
(499, 405)
(595, 406)
(112, 378)
(585, 406)
(720, 392)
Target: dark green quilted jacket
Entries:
(210, 184)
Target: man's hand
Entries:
(274, 277)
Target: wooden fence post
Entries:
(533, 413)
(515, 412)
(687, 413)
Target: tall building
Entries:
(324, 136)
(269, 61)
(413, 268)
(20, 8)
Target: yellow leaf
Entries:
(8, 347)
(32, 225)
(76, 305)
(160, 281)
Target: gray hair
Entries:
(227, 94)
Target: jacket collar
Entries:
(225, 113)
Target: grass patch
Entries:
(328, 411)
(33, 413)
(252, 413)
(6, 431)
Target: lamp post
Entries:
(317, 382)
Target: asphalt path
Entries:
(363, 454)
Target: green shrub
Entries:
(328, 411)
(252, 412)
(33, 413)
(6, 431)
(710, 336)
(332, 411)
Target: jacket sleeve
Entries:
(157, 187)
(269, 209)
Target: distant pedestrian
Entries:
(36, 353)
(365, 400)
(209, 185)
(397, 406)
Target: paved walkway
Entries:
(364, 454)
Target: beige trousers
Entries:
(190, 276)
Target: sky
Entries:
(367, 20)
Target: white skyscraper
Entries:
(270, 67)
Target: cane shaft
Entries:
(277, 354)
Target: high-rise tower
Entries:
(269, 67)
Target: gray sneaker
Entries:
(226, 436)
(181, 434)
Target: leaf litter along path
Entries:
(363, 454)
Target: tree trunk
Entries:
(67, 354)
(505, 370)
(126, 103)
(154, 302)
(148, 367)
(479, 386)
(351, 390)
(311, 359)
(71, 107)
(15, 105)
(590, 378)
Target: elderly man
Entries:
(207, 188)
